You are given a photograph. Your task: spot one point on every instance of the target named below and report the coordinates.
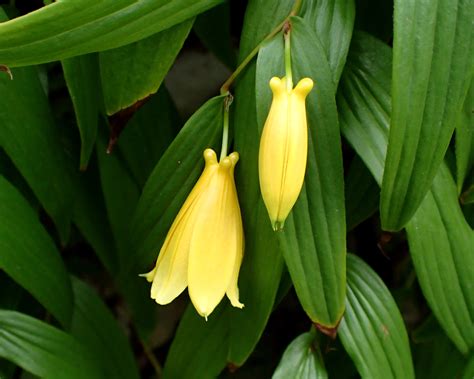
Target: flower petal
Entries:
(171, 271)
(215, 241)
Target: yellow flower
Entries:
(284, 149)
(204, 247)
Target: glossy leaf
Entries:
(434, 355)
(427, 98)
(441, 244)
(43, 350)
(363, 101)
(465, 139)
(372, 330)
(362, 194)
(198, 348)
(439, 236)
(32, 142)
(258, 281)
(29, 255)
(90, 217)
(83, 82)
(96, 328)
(313, 240)
(135, 71)
(333, 21)
(301, 359)
(148, 134)
(171, 181)
(68, 28)
(469, 369)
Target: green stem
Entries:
(225, 128)
(226, 86)
(288, 71)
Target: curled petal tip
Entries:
(149, 275)
(210, 156)
(304, 86)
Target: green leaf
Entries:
(171, 181)
(43, 350)
(372, 330)
(83, 82)
(32, 141)
(95, 327)
(333, 21)
(148, 134)
(68, 28)
(121, 193)
(441, 244)
(469, 369)
(317, 263)
(29, 255)
(133, 72)
(199, 346)
(361, 194)
(439, 236)
(213, 29)
(363, 101)
(434, 354)
(465, 139)
(429, 38)
(258, 281)
(301, 359)
(90, 217)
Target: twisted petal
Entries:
(216, 242)
(169, 276)
(283, 149)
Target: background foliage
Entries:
(105, 110)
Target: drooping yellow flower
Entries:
(284, 149)
(203, 249)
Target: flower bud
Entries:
(284, 149)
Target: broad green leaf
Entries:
(148, 134)
(363, 101)
(434, 355)
(199, 347)
(68, 28)
(432, 69)
(465, 139)
(441, 245)
(302, 359)
(372, 330)
(439, 237)
(121, 193)
(170, 183)
(83, 82)
(43, 350)
(469, 369)
(333, 21)
(90, 217)
(213, 29)
(362, 194)
(31, 140)
(313, 240)
(95, 327)
(258, 280)
(133, 72)
(29, 255)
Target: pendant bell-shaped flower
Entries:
(203, 249)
